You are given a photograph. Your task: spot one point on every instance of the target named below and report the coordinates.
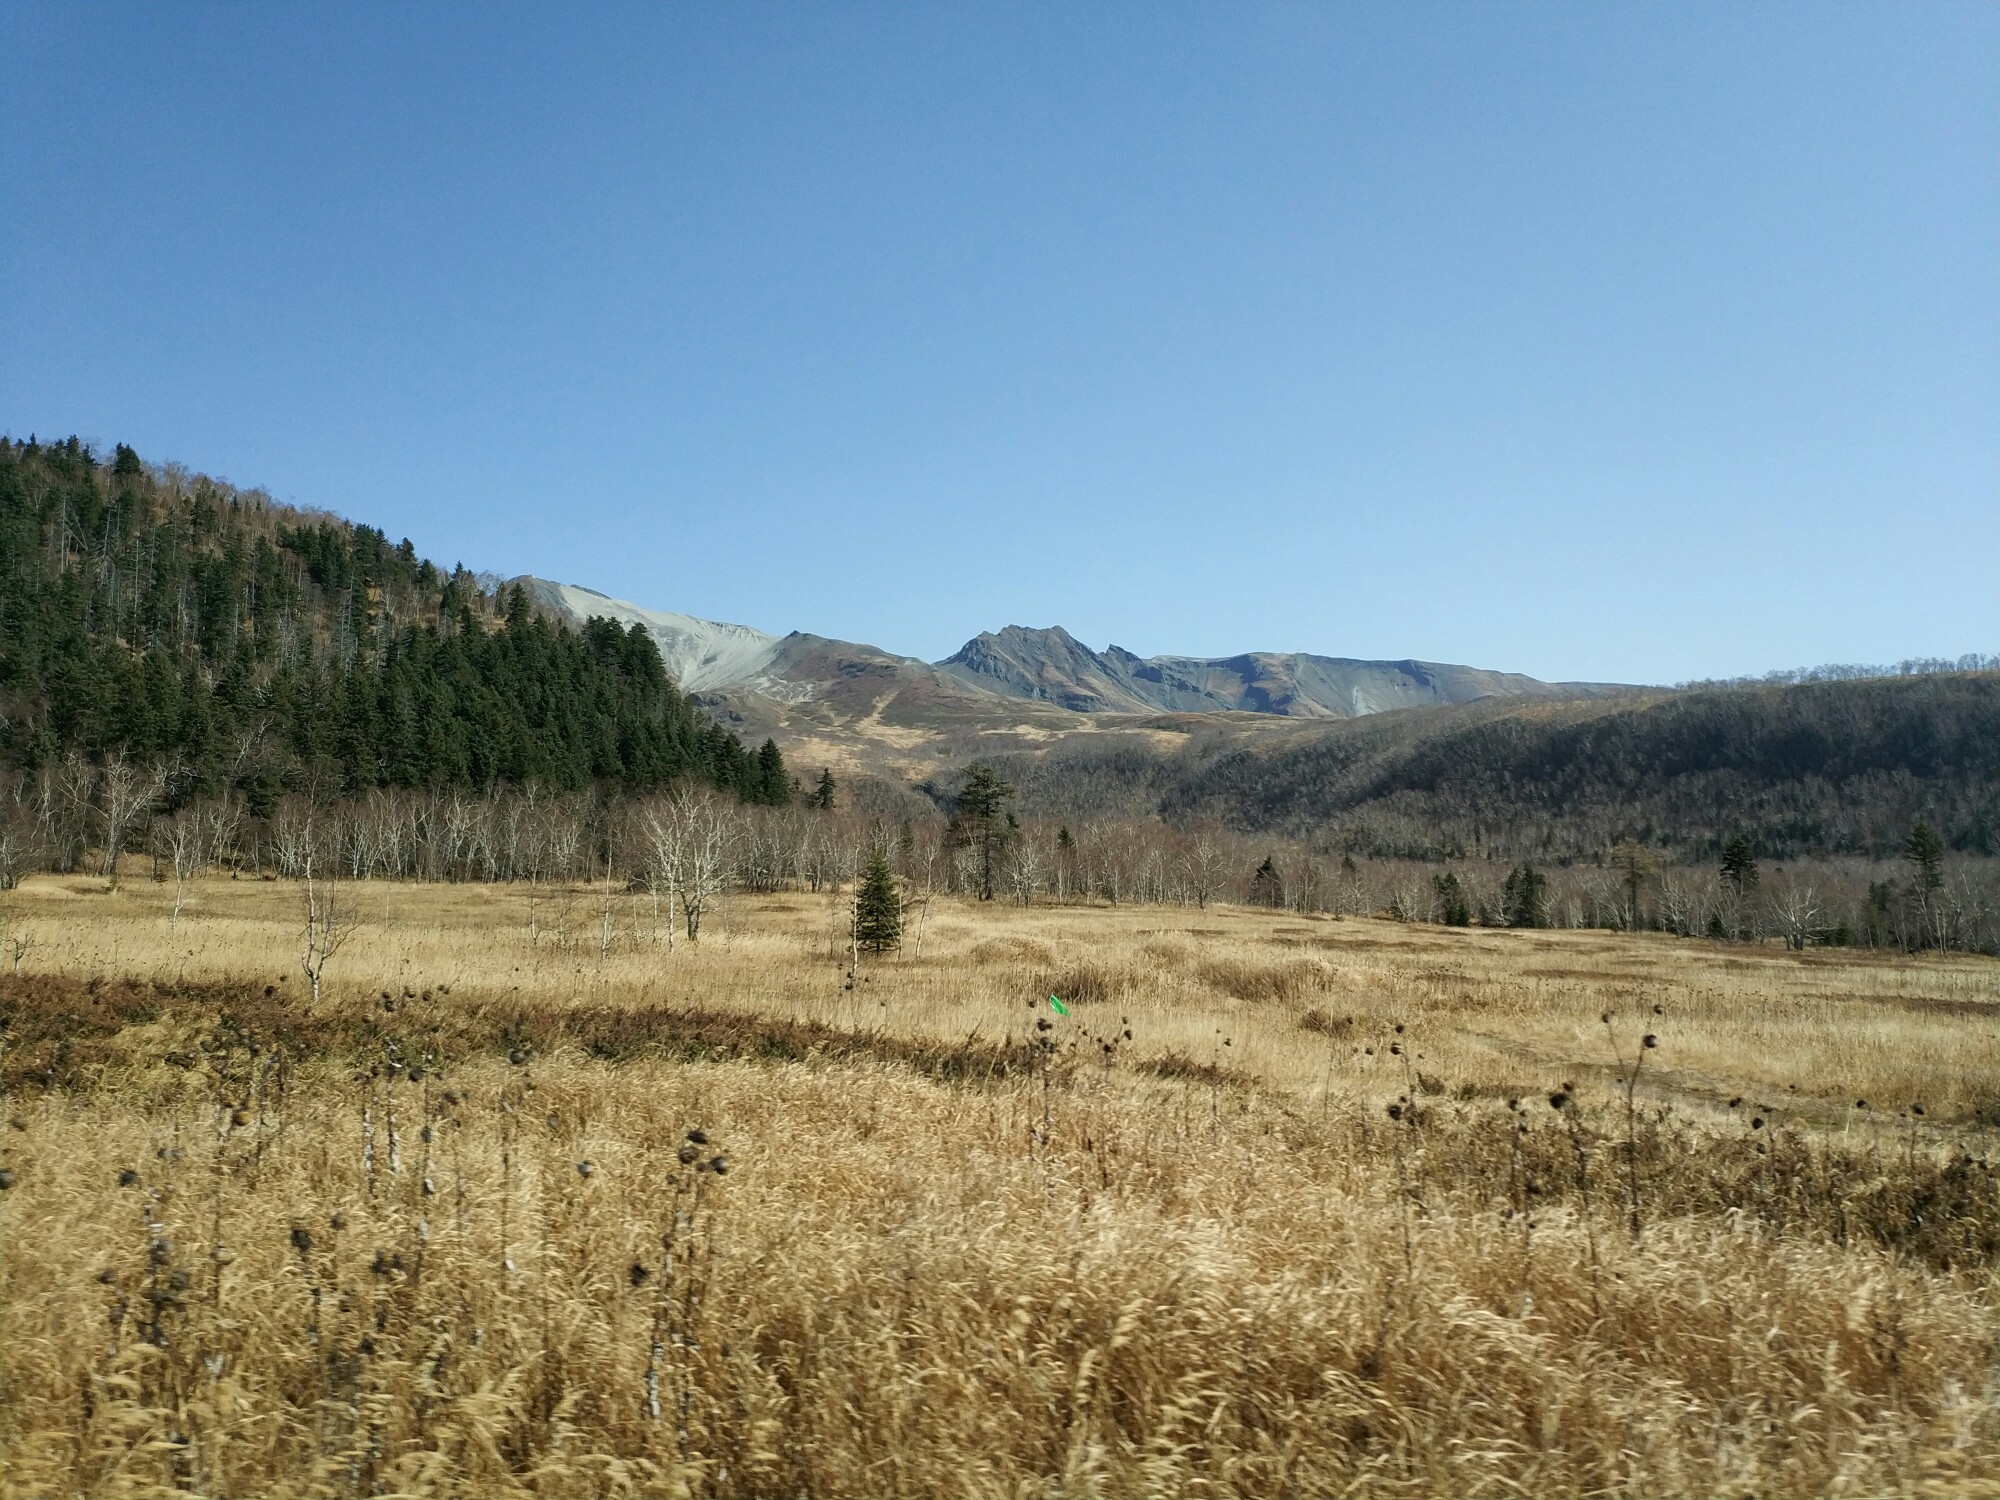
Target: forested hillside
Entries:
(1813, 769)
(163, 617)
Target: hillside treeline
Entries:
(223, 644)
(1814, 769)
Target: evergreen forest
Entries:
(150, 614)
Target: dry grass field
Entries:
(1284, 1206)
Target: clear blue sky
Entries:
(1588, 340)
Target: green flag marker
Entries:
(1057, 1006)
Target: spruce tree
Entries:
(981, 821)
(1453, 909)
(1739, 865)
(1266, 887)
(878, 908)
(1925, 852)
(774, 784)
(822, 792)
(1524, 897)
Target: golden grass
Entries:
(942, 1262)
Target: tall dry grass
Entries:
(445, 1241)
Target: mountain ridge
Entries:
(1025, 665)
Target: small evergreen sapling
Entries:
(878, 908)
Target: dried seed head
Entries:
(239, 1117)
(1558, 1099)
(698, 1136)
(1757, 1123)
(6, 1178)
(127, 1177)
(1395, 1049)
(1605, 1018)
(1737, 1102)
(1513, 1104)
(302, 1240)
(1395, 1111)
(585, 1168)
(338, 1222)
(1860, 1103)
(517, 1055)
(1917, 1110)
(687, 1154)
(1649, 1040)
(719, 1166)
(1399, 1028)
(637, 1274)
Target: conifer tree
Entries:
(774, 784)
(981, 821)
(1925, 852)
(878, 908)
(822, 792)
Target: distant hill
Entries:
(1825, 767)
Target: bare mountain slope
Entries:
(848, 703)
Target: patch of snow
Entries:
(700, 654)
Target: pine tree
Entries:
(1453, 908)
(878, 908)
(1739, 866)
(1524, 897)
(822, 792)
(1266, 886)
(981, 822)
(774, 784)
(1925, 852)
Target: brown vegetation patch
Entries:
(65, 1034)
(1247, 979)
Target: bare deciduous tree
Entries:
(1795, 910)
(328, 920)
(179, 838)
(127, 792)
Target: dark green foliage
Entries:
(1739, 866)
(269, 649)
(980, 821)
(1524, 897)
(1925, 852)
(878, 909)
(1267, 888)
(1453, 909)
(774, 782)
(822, 792)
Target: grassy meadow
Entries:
(536, 1201)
